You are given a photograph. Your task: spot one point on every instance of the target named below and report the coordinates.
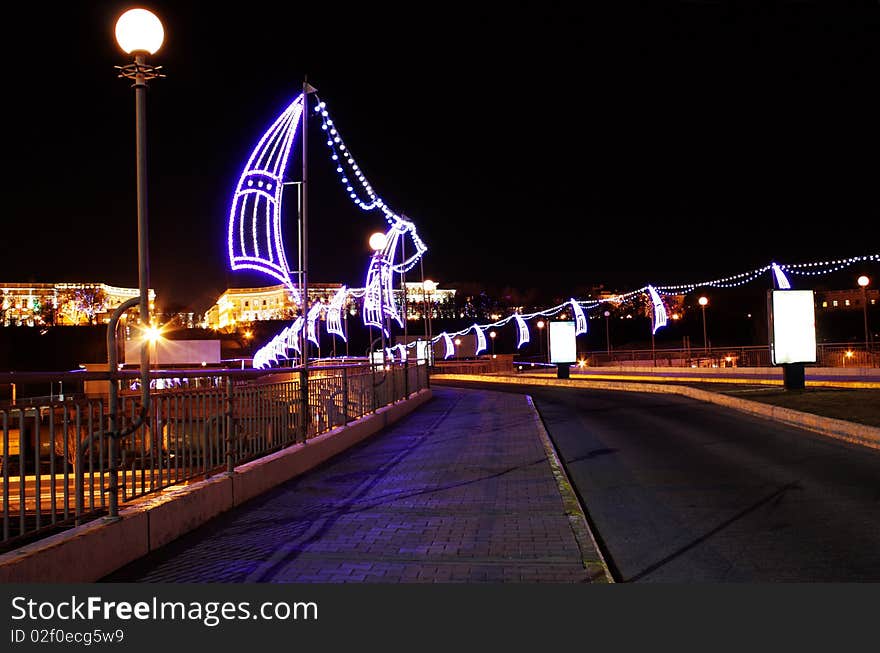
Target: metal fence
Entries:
(827, 355)
(55, 455)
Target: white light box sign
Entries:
(563, 343)
(793, 318)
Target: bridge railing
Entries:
(54, 454)
(827, 355)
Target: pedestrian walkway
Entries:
(462, 490)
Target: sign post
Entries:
(563, 347)
(792, 315)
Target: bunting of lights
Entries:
(280, 344)
(580, 320)
(293, 335)
(481, 339)
(311, 318)
(254, 233)
(334, 313)
(781, 280)
(378, 287)
(523, 331)
(450, 346)
(659, 320)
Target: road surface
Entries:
(683, 491)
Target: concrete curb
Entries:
(94, 550)
(861, 434)
(591, 555)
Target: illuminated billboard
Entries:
(563, 343)
(792, 327)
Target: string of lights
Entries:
(654, 293)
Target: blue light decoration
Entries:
(334, 313)
(450, 346)
(279, 347)
(311, 318)
(254, 233)
(523, 331)
(659, 320)
(781, 280)
(381, 271)
(402, 349)
(389, 353)
(481, 339)
(293, 335)
(580, 320)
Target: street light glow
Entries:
(378, 241)
(152, 334)
(703, 301)
(139, 30)
(540, 324)
(863, 281)
(429, 286)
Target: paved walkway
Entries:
(460, 491)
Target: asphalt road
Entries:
(682, 491)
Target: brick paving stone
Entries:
(459, 491)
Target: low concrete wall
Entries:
(90, 552)
(835, 428)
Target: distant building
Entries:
(276, 303)
(850, 299)
(257, 304)
(63, 304)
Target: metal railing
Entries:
(827, 355)
(55, 456)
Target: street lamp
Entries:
(492, 335)
(703, 301)
(140, 33)
(863, 281)
(428, 287)
(607, 332)
(540, 325)
(377, 244)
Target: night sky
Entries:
(540, 144)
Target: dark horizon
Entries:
(541, 146)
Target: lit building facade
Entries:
(63, 304)
(266, 303)
(842, 300)
(276, 303)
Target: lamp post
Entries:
(540, 325)
(607, 333)
(703, 301)
(377, 244)
(428, 287)
(863, 281)
(492, 335)
(140, 33)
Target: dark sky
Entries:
(543, 144)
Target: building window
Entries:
(846, 302)
(824, 304)
(834, 302)
(246, 303)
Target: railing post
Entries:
(344, 396)
(304, 403)
(230, 428)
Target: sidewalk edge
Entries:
(591, 555)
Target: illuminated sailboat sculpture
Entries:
(255, 241)
(254, 237)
